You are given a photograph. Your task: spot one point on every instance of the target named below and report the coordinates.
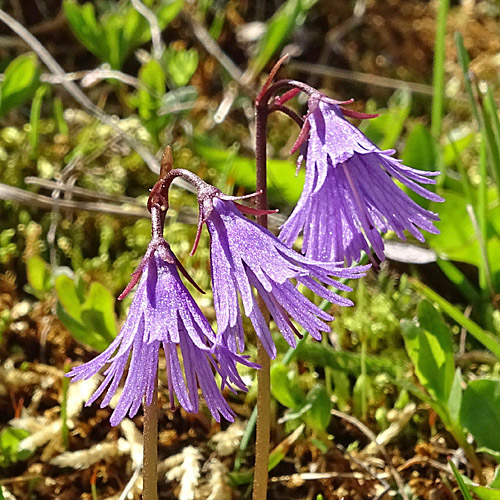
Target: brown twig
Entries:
(211, 46)
(46, 202)
(81, 192)
(379, 477)
(75, 91)
(154, 26)
(368, 433)
(368, 78)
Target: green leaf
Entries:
(495, 482)
(319, 354)
(165, 14)
(386, 129)
(484, 337)
(438, 68)
(115, 35)
(184, 97)
(153, 76)
(484, 492)
(36, 108)
(10, 438)
(38, 272)
(460, 480)
(80, 332)
(431, 320)
(461, 281)
(492, 453)
(362, 393)
(455, 241)
(280, 451)
(285, 387)
(181, 65)
(318, 416)
(116, 46)
(83, 22)
(455, 398)
(62, 125)
(490, 492)
(341, 389)
(430, 348)
(98, 311)
(456, 145)
(68, 296)
(419, 151)
(91, 322)
(75, 327)
(488, 110)
(281, 174)
(149, 100)
(480, 412)
(135, 29)
(463, 59)
(460, 241)
(21, 79)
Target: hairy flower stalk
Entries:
(349, 195)
(164, 314)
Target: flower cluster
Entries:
(349, 198)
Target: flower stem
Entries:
(150, 433)
(262, 442)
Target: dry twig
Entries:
(158, 47)
(75, 91)
(368, 433)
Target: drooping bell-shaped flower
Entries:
(247, 258)
(350, 195)
(163, 313)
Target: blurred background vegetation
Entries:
(403, 398)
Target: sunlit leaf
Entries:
(480, 412)
(98, 311)
(181, 65)
(10, 438)
(285, 387)
(318, 416)
(386, 128)
(38, 274)
(21, 79)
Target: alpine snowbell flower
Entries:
(163, 312)
(245, 256)
(349, 194)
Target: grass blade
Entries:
(461, 484)
(484, 337)
(463, 60)
(461, 281)
(438, 78)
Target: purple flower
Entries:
(246, 257)
(163, 312)
(349, 194)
